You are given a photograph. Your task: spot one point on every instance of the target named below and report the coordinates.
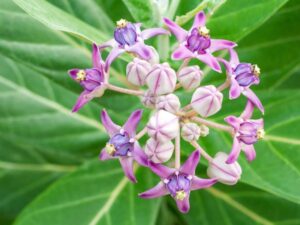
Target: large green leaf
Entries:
(57, 19)
(90, 196)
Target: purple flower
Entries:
(246, 133)
(242, 76)
(92, 80)
(128, 37)
(178, 183)
(196, 43)
(122, 143)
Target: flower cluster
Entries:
(155, 85)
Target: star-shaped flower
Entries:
(92, 80)
(197, 43)
(122, 143)
(178, 183)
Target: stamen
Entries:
(180, 195)
(81, 75)
(203, 31)
(166, 181)
(256, 70)
(110, 148)
(260, 133)
(121, 23)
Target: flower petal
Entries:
(191, 163)
(233, 121)
(127, 165)
(104, 155)
(235, 89)
(179, 32)
(184, 205)
(148, 33)
(211, 61)
(144, 51)
(249, 152)
(114, 53)
(182, 53)
(234, 58)
(83, 98)
(227, 65)
(248, 111)
(235, 151)
(110, 127)
(139, 155)
(73, 73)
(200, 20)
(161, 170)
(157, 191)
(132, 122)
(219, 44)
(200, 183)
(96, 57)
(254, 99)
(110, 43)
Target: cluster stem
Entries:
(124, 90)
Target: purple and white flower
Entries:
(196, 43)
(122, 143)
(92, 80)
(242, 76)
(128, 37)
(190, 77)
(137, 71)
(163, 126)
(225, 173)
(178, 183)
(161, 79)
(246, 133)
(207, 100)
(190, 132)
(168, 102)
(159, 152)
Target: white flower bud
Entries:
(161, 79)
(159, 152)
(225, 173)
(204, 131)
(207, 100)
(190, 132)
(190, 77)
(149, 100)
(163, 126)
(168, 102)
(137, 71)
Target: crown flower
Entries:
(180, 107)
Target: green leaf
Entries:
(90, 196)
(142, 11)
(240, 204)
(57, 19)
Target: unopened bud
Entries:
(190, 132)
(137, 71)
(207, 100)
(204, 131)
(190, 77)
(159, 152)
(161, 79)
(225, 173)
(168, 102)
(163, 126)
(149, 100)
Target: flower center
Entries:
(119, 145)
(255, 70)
(179, 185)
(260, 133)
(180, 195)
(248, 133)
(203, 31)
(198, 40)
(121, 23)
(81, 75)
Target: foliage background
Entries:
(49, 172)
